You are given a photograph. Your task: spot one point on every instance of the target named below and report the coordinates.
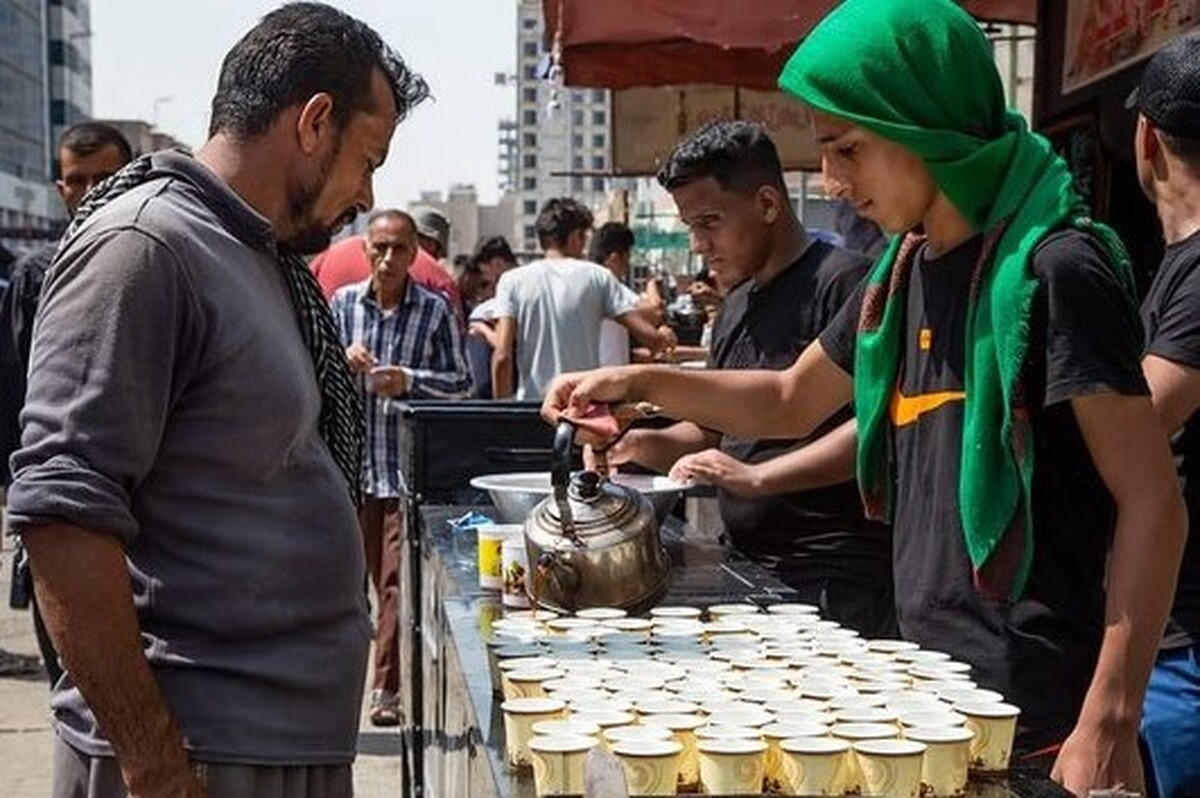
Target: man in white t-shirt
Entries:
(550, 310)
(611, 247)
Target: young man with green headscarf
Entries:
(1004, 425)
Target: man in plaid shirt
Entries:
(403, 341)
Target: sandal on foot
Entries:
(385, 708)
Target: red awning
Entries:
(618, 44)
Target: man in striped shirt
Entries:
(402, 340)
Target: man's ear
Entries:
(315, 123)
(769, 199)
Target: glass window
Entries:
(598, 117)
(529, 207)
(577, 140)
(598, 95)
(576, 96)
(530, 232)
(529, 139)
(529, 116)
(529, 94)
(597, 184)
(577, 184)
(577, 118)
(530, 71)
(530, 48)
(577, 162)
(597, 161)
(529, 161)
(598, 140)
(529, 23)
(529, 184)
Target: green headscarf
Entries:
(920, 73)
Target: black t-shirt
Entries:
(17, 310)
(816, 534)
(1040, 651)
(1171, 314)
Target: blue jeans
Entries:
(1171, 725)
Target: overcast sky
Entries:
(144, 53)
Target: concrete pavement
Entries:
(26, 738)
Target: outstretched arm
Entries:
(749, 404)
(829, 460)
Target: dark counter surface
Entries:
(702, 573)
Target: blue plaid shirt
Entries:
(421, 335)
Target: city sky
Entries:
(161, 66)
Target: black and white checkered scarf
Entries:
(341, 421)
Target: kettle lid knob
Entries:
(587, 485)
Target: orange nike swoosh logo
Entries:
(907, 410)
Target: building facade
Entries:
(469, 221)
(36, 36)
(562, 134)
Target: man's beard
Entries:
(308, 235)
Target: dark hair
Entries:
(87, 138)
(1184, 148)
(393, 213)
(610, 237)
(493, 247)
(559, 218)
(300, 50)
(740, 156)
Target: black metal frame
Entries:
(504, 436)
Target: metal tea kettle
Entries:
(593, 543)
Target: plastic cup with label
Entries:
(515, 570)
(491, 539)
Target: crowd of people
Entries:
(959, 431)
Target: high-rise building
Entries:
(69, 33)
(562, 133)
(38, 34)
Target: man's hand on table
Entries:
(714, 467)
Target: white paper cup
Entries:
(528, 683)
(969, 695)
(519, 716)
(675, 612)
(856, 732)
(944, 770)
(816, 766)
(737, 608)
(558, 763)
(601, 613)
(572, 727)
(891, 647)
(931, 718)
(995, 726)
(651, 767)
(792, 608)
(641, 625)
(890, 768)
(683, 730)
(731, 766)
(717, 731)
(604, 718)
(773, 734)
(865, 715)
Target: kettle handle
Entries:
(560, 476)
